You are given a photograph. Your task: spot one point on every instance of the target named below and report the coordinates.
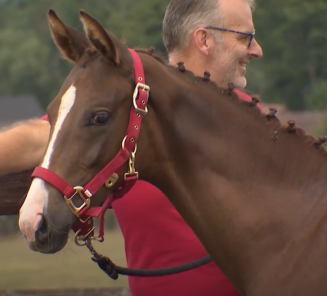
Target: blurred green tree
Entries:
(293, 35)
(29, 61)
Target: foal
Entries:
(252, 190)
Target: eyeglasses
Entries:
(251, 35)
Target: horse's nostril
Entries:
(43, 226)
(41, 235)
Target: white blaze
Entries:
(37, 196)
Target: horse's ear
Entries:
(71, 43)
(99, 37)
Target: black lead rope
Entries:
(113, 270)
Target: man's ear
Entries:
(203, 40)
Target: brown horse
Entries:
(252, 190)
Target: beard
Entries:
(228, 69)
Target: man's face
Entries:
(228, 59)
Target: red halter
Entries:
(108, 175)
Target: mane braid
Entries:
(282, 128)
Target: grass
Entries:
(20, 268)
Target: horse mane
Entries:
(252, 106)
(290, 128)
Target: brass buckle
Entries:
(135, 95)
(70, 204)
(123, 145)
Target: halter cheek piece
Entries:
(84, 228)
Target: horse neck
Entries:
(217, 161)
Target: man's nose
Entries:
(255, 50)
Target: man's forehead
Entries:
(237, 14)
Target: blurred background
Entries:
(291, 76)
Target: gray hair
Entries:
(182, 17)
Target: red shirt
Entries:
(156, 236)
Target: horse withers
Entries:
(253, 191)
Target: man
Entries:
(224, 49)
(207, 35)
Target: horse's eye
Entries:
(100, 118)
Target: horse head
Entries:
(93, 101)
